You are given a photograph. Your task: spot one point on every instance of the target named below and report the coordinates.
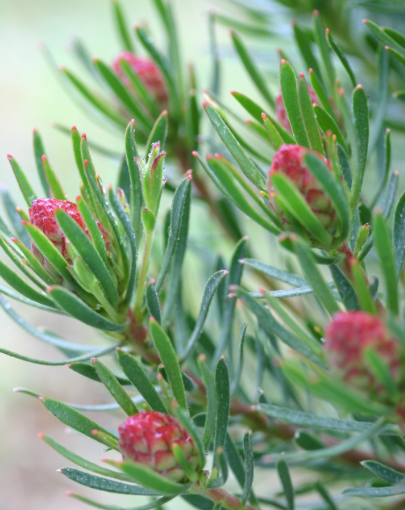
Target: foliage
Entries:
(276, 181)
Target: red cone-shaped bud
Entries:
(289, 161)
(281, 112)
(147, 71)
(148, 438)
(42, 215)
(348, 337)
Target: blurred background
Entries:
(32, 96)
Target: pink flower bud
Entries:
(147, 71)
(281, 112)
(348, 336)
(148, 438)
(42, 215)
(289, 160)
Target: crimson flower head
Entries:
(148, 438)
(348, 337)
(42, 215)
(146, 70)
(289, 160)
(281, 112)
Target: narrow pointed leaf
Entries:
(151, 480)
(152, 302)
(345, 289)
(399, 234)
(88, 370)
(245, 163)
(138, 377)
(158, 133)
(223, 408)
(285, 479)
(169, 359)
(308, 117)
(320, 38)
(384, 472)
(80, 311)
(54, 184)
(39, 151)
(238, 373)
(103, 484)
(147, 506)
(209, 293)
(249, 465)
(327, 123)
(209, 383)
(114, 387)
(123, 31)
(187, 423)
(289, 92)
(25, 187)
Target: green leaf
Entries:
(198, 501)
(138, 377)
(322, 94)
(180, 200)
(72, 418)
(342, 57)
(223, 408)
(384, 472)
(185, 420)
(25, 187)
(284, 475)
(148, 478)
(18, 297)
(345, 289)
(141, 91)
(275, 137)
(249, 105)
(308, 116)
(99, 103)
(95, 233)
(363, 289)
(298, 207)
(123, 31)
(246, 164)
(289, 92)
(272, 327)
(152, 303)
(158, 133)
(88, 370)
(234, 278)
(148, 506)
(314, 277)
(374, 492)
(103, 484)
(327, 123)
(80, 311)
(326, 496)
(122, 93)
(308, 420)
(54, 184)
(50, 252)
(79, 461)
(382, 96)
(252, 70)
(398, 234)
(249, 465)
(39, 151)
(274, 272)
(361, 129)
(334, 189)
(211, 410)
(236, 379)
(226, 181)
(384, 37)
(136, 198)
(304, 44)
(209, 293)
(18, 284)
(169, 359)
(385, 250)
(115, 388)
(320, 38)
(131, 236)
(89, 254)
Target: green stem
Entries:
(143, 274)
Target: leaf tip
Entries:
(40, 435)
(69, 493)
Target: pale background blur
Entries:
(30, 96)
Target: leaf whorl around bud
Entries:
(348, 338)
(146, 70)
(289, 161)
(148, 438)
(281, 112)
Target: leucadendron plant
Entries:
(255, 382)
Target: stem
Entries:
(143, 274)
(220, 496)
